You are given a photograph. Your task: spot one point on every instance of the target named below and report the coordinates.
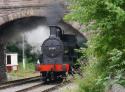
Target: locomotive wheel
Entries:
(59, 80)
(49, 77)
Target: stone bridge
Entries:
(15, 10)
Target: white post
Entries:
(23, 49)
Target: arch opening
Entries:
(30, 26)
(11, 32)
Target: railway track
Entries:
(30, 85)
(8, 84)
(57, 86)
(42, 87)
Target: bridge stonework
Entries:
(15, 9)
(3, 76)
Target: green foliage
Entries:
(81, 54)
(14, 48)
(23, 73)
(17, 47)
(106, 47)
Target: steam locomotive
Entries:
(58, 55)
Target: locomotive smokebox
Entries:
(52, 47)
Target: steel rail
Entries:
(9, 84)
(57, 86)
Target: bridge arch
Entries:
(27, 19)
(16, 12)
(18, 25)
(13, 26)
(29, 12)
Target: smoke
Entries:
(11, 31)
(36, 37)
(55, 12)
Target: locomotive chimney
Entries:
(53, 31)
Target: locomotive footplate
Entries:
(53, 67)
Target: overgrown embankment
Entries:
(106, 47)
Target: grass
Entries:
(29, 71)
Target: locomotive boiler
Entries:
(58, 55)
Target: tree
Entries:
(17, 47)
(106, 48)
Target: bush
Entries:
(106, 48)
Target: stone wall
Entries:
(3, 76)
(22, 3)
(14, 9)
(117, 88)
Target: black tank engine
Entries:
(58, 55)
